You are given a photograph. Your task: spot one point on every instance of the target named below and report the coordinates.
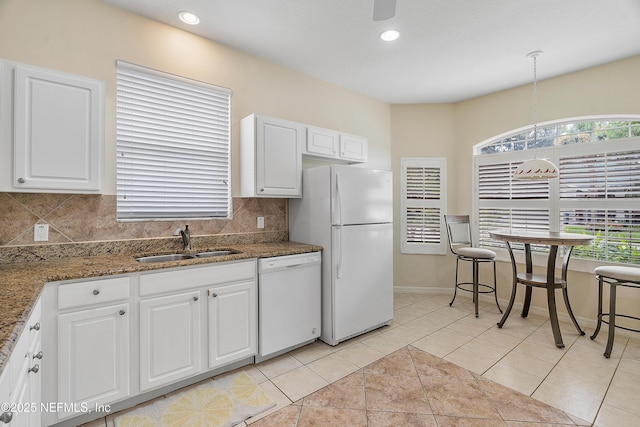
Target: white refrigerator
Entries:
(349, 212)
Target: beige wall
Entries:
(424, 130)
(453, 130)
(86, 37)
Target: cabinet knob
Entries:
(213, 295)
(122, 312)
(261, 190)
(96, 291)
(34, 369)
(6, 417)
(22, 180)
(38, 355)
(36, 326)
(195, 298)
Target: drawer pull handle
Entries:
(38, 355)
(96, 291)
(34, 369)
(36, 326)
(122, 312)
(6, 417)
(195, 298)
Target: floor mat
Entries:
(223, 402)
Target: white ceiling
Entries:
(449, 50)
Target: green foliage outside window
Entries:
(622, 246)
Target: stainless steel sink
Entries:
(180, 257)
(215, 253)
(165, 258)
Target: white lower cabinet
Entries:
(169, 339)
(232, 312)
(20, 381)
(93, 357)
(189, 315)
(117, 337)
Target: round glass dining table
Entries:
(547, 280)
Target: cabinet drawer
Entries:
(30, 333)
(188, 278)
(93, 292)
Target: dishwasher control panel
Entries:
(289, 261)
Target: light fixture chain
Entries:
(535, 100)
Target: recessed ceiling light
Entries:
(390, 35)
(188, 18)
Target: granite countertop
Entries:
(22, 282)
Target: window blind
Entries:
(173, 146)
(423, 205)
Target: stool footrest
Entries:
(490, 291)
(620, 326)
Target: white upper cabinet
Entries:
(271, 157)
(335, 146)
(322, 142)
(353, 148)
(53, 131)
(271, 152)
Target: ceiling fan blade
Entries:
(383, 9)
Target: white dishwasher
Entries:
(289, 297)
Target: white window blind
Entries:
(423, 205)
(173, 146)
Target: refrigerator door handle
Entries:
(339, 247)
(338, 209)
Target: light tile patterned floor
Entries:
(587, 388)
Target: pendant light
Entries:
(535, 168)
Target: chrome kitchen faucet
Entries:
(186, 237)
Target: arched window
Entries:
(597, 192)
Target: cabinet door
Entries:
(322, 142)
(58, 130)
(278, 157)
(232, 323)
(169, 339)
(93, 356)
(353, 148)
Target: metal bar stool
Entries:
(615, 276)
(459, 232)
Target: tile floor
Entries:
(587, 388)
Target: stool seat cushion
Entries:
(622, 274)
(476, 253)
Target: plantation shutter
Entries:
(423, 205)
(173, 146)
(600, 196)
(504, 202)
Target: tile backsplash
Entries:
(87, 218)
